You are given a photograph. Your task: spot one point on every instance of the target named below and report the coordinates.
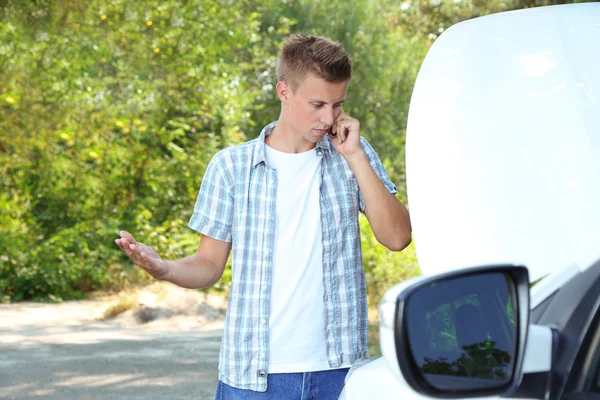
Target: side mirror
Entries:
(459, 334)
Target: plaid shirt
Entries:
(236, 203)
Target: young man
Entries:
(287, 205)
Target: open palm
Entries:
(143, 255)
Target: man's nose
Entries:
(328, 116)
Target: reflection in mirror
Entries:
(462, 332)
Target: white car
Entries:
(503, 176)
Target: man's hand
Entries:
(345, 135)
(143, 256)
(388, 217)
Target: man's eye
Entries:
(318, 105)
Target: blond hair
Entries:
(302, 54)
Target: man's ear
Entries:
(284, 91)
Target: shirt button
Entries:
(271, 182)
(264, 288)
(262, 373)
(264, 322)
(262, 355)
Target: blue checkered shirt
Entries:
(236, 203)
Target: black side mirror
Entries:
(463, 334)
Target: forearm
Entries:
(387, 216)
(193, 272)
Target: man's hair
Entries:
(302, 54)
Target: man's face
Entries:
(314, 106)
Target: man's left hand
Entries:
(345, 135)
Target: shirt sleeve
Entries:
(379, 170)
(213, 212)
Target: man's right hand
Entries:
(143, 256)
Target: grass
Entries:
(125, 303)
(158, 295)
(129, 298)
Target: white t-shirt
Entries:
(297, 341)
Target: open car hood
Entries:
(503, 142)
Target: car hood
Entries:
(503, 142)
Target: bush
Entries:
(384, 268)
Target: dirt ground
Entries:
(68, 351)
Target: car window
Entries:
(591, 365)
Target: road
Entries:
(61, 351)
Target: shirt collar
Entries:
(260, 152)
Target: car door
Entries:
(572, 310)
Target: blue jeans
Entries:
(320, 385)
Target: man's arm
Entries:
(388, 217)
(200, 270)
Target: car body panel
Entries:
(503, 142)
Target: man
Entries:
(286, 205)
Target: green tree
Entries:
(109, 114)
